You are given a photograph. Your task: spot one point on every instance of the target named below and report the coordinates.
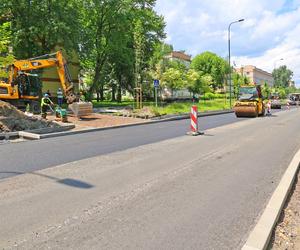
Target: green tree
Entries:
(174, 78)
(282, 76)
(213, 65)
(266, 90)
(6, 57)
(193, 81)
(122, 35)
(158, 63)
(101, 21)
(239, 80)
(206, 82)
(139, 43)
(38, 26)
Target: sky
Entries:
(270, 32)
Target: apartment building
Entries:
(256, 75)
(180, 56)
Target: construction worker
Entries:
(45, 103)
(269, 108)
(82, 97)
(60, 97)
(48, 93)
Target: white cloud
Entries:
(270, 29)
(288, 49)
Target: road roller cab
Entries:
(250, 102)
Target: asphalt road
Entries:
(184, 193)
(35, 155)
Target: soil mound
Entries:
(12, 119)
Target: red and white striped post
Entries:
(194, 121)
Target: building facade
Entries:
(256, 75)
(181, 57)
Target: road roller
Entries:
(250, 102)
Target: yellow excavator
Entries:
(22, 88)
(250, 102)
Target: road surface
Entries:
(201, 192)
(35, 155)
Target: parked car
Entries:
(291, 102)
(294, 98)
(275, 101)
(275, 104)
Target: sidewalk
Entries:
(100, 121)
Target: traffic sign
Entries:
(156, 83)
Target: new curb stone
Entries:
(260, 236)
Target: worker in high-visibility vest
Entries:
(60, 97)
(45, 103)
(269, 108)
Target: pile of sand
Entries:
(12, 119)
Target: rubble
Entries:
(12, 119)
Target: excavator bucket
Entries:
(80, 109)
(245, 111)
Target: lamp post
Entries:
(230, 85)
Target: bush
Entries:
(212, 96)
(177, 105)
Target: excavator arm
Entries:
(54, 60)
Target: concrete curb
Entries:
(35, 133)
(260, 236)
(9, 135)
(173, 118)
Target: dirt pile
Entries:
(144, 113)
(12, 119)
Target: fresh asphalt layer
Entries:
(36, 155)
(203, 192)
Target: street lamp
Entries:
(238, 21)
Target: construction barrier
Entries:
(194, 121)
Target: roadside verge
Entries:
(260, 236)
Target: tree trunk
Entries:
(98, 96)
(119, 90)
(119, 94)
(113, 93)
(101, 93)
